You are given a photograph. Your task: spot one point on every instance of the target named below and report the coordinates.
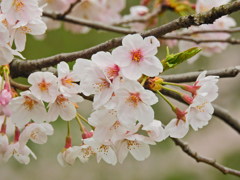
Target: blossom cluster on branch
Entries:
(123, 83)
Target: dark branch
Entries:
(225, 170)
(192, 76)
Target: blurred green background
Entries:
(167, 162)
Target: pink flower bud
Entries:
(87, 134)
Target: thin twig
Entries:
(199, 158)
(19, 86)
(192, 76)
(91, 24)
(24, 68)
(69, 10)
(199, 41)
(233, 30)
(143, 19)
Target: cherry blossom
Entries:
(36, 132)
(67, 79)
(27, 107)
(103, 151)
(21, 154)
(64, 106)
(136, 56)
(132, 103)
(20, 10)
(44, 86)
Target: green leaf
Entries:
(172, 60)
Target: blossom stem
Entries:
(169, 103)
(85, 120)
(173, 90)
(80, 123)
(68, 129)
(173, 84)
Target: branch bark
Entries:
(24, 68)
(199, 41)
(192, 76)
(199, 158)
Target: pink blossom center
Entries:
(103, 148)
(112, 72)
(136, 55)
(29, 103)
(44, 85)
(26, 29)
(134, 99)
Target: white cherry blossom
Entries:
(21, 154)
(68, 155)
(36, 132)
(20, 10)
(44, 86)
(133, 103)
(67, 79)
(136, 56)
(103, 151)
(177, 128)
(63, 106)
(155, 131)
(27, 107)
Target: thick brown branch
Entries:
(199, 158)
(24, 68)
(192, 76)
(199, 41)
(219, 112)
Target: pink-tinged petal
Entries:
(53, 112)
(132, 72)
(102, 98)
(122, 56)
(148, 97)
(141, 151)
(6, 55)
(177, 129)
(133, 41)
(122, 151)
(144, 114)
(108, 155)
(6, 5)
(68, 112)
(103, 59)
(20, 40)
(63, 69)
(151, 66)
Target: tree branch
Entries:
(225, 170)
(199, 41)
(192, 76)
(233, 30)
(24, 68)
(69, 10)
(91, 24)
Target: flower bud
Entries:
(155, 83)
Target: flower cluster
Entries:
(108, 11)
(223, 23)
(18, 18)
(122, 84)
